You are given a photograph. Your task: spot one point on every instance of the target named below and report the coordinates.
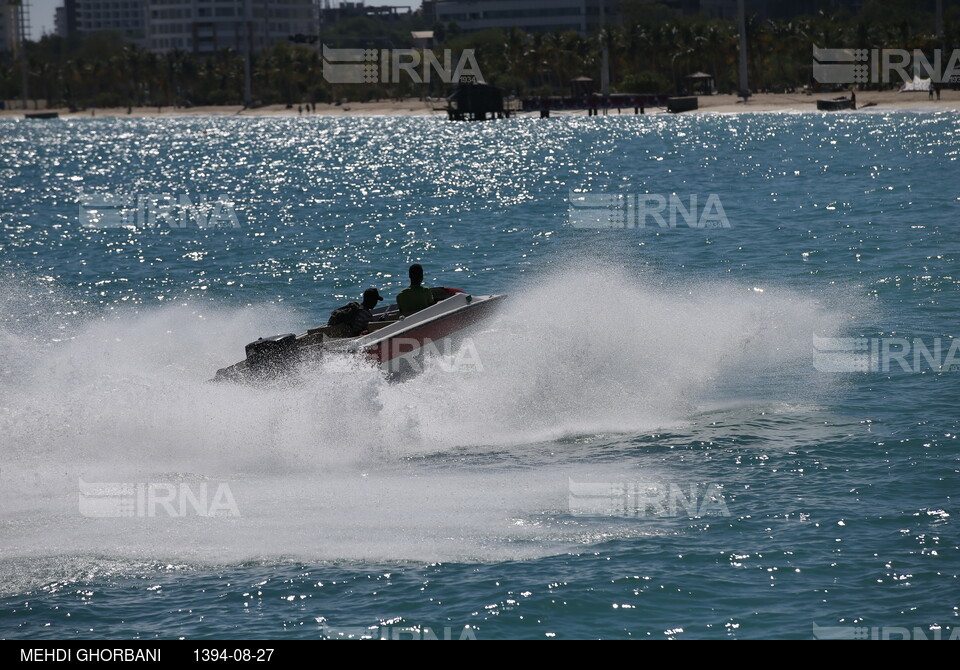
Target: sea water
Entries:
(746, 429)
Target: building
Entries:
(60, 22)
(776, 9)
(584, 15)
(330, 14)
(208, 26)
(5, 16)
(9, 26)
(531, 15)
(83, 17)
(195, 26)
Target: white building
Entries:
(92, 16)
(194, 26)
(531, 15)
(207, 26)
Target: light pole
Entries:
(248, 28)
(604, 54)
(21, 26)
(744, 86)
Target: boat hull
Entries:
(395, 344)
(837, 105)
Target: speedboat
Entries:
(393, 341)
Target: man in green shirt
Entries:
(415, 297)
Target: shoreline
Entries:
(875, 101)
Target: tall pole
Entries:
(744, 87)
(319, 5)
(604, 58)
(248, 28)
(939, 18)
(604, 54)
(21, 27)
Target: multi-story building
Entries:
(776, 9)
(332, 13)
(532, 15)
(60, 22)
(9, 25)
(195, 26)
(92, 16)
(4, 23)
(207, 26)
(583, 15)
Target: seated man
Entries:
(415, 297)
(353, 318)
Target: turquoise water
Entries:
(634, 358)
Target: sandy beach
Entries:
(800, 102)
(724, 104)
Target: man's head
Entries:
(371, 297)
(416, 274)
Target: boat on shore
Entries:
(836, 104)
(391, 340)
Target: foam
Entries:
(342, 464)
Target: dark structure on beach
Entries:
(476, 102)
(836, 105)
(682, 104)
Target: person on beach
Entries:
(415, 297)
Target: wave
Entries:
(343, 464)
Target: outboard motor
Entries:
(271, 354)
